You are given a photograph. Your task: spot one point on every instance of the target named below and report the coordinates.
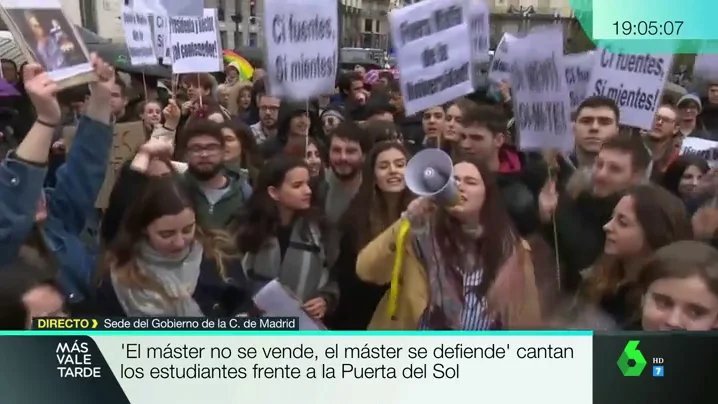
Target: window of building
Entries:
(220, 12)
(368, 25)
(253, 39)
(378, 26)
(366, 40)
(252, 8)
(238, 39)
(88, 14)
(223, 38)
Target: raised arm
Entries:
(22, 172)
(80, 179)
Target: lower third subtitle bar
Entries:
(168, 324)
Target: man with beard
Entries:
(663, 141)
(218, 192)
(580, 212)
(347, 147)
(268, 115)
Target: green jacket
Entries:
(220, 215)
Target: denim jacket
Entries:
(69, 204)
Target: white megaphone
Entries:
(431, 173)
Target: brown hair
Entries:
(250, 158)
(381, 131)
(235, 93)
(162, 196)
(487, 116)
(499, 239)
(664, 220)
(370, 199)
(464, 104)
(680, 260)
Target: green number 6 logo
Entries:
(631, 352)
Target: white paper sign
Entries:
(635, 82)
(433, 54)
(172, 8)
(163, 47)
(477, 14)
(61, 54)
(707, 149)
(501, 63)
(301, 41)
(706, 66)
(195, 43)
(578, 72)
(138, 37)
(542, 106)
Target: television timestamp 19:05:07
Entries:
(650, 28)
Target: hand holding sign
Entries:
(42, 90)
(316, 307)
(101, 90)
(172, 114)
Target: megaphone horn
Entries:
(431, 173)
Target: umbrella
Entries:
(7, 89)
(372, 76)
(116, 54)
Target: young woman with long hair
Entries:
(679, 288)
(464, 267)
(151, 114)
(647, 218)
(281, 236)
(240, 149)
(683, 176)
(383, 195)
(240, 101)
(163, 264)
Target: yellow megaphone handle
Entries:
(404, 228)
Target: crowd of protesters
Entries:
(234, 188)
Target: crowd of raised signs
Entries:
(573, 211)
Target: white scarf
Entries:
(178, 277)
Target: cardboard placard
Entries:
(127, 139)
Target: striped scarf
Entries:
(453, 303)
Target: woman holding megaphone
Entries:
(458, 265)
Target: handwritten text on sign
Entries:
(433, 55)
(301, 41)
(541, 101)
(635, 82)
(578, 72)
(138, 37)
(195, 43)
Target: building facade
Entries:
(239, 20)
(374, 16)
(350, 23)
(101, 17)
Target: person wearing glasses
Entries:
(217, 191)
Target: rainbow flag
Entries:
(246, 71)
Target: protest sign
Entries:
(171, 8)
(432, 53)
(542, 105)
(45, 36)
(301, 43)
(635, 82)
(138, 37)
(707, 149)
(477, 14)
(128, 137)
(578, 72)
(195, 43)
(161, 34)
(500, 64)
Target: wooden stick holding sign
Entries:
(128, 137)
